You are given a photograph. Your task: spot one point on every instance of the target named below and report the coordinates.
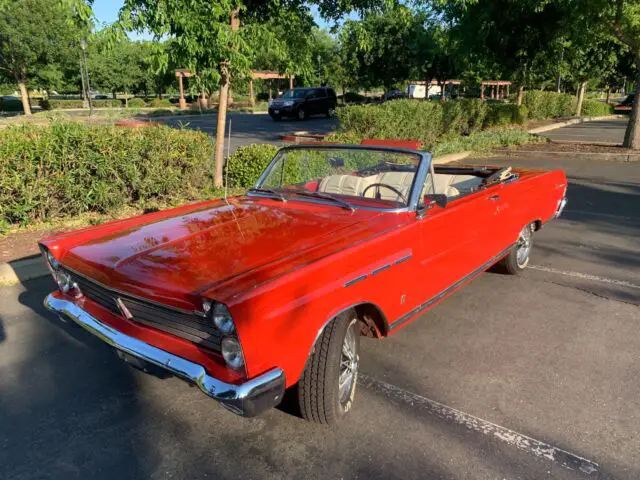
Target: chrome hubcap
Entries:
(348, 365)
(524, 247)
(301, 114)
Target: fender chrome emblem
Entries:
(123, 308)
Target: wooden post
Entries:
(182, 102)
(481, 90)
(252, 98)
(290, 81)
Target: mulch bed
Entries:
(23, 244)
(575, 147)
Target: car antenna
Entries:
(226, 170)
(226, 180)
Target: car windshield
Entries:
(294, 94)
(346, 177)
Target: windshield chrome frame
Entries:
(424, 167)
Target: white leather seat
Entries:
(401, 181)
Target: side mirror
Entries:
(436, 199)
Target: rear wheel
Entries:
(302, 114)
(518, 257)
(331, 112)
(327, 387)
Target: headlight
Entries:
(65, 282)
(53, 263)
(222, 318)
(232, 353)
(288, 103)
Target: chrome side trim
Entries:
(402, 260)
(448, 290)
(247, 399)
(355, 280)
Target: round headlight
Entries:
(55, 264)
(206, 306)
(65, 282)
(222, 318)
(232, 353)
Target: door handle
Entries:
(494, 198)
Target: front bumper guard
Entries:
(561, 204)
(247, 399)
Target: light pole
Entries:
(83, 46)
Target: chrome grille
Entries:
(189, 326)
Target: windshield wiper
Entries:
(326, 196)
(268, 191)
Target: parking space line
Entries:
(584, 276)
(595, 214)
(520, 441)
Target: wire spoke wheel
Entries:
(348, 365)
(523, 247)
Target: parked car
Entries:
(10, 103)
(625, 105)
(301, 103)
(249, 296)
(394, 95)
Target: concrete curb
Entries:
(573, 121)
(609, 157)
(452, 157)
(21, 270)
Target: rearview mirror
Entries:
(436, 199)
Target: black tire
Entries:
(302, 114)
(518, 257)
(331, 112)
(318, 388)
(276, 118)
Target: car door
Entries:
(454, 245)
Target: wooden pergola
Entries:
(180, 74)
(266, 75)
(499, 88)
(255, 75)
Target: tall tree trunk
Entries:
(24, 95)
(520, 95)
(115, 96)
(581, 91)
(608, 95)
(632, 135)
(225, 83)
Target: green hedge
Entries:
(136, 103)
(65, 169)
(400, 119)
(594, 108)
(51, 104)
(464, 116)
(160, 103)
(245, 165)
(543, 105)
(500, 114)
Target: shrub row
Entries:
(425, 121)
(56, 104)
(594, 108)
(543, 105)
(65, 169)
(245, 165)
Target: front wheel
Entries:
(327, 386)
(518, 257)
(302, 114)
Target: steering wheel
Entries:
(393, 189)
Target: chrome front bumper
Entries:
(560, 208)
(248, 399)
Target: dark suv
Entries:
(303, 102)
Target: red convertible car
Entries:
(252, 295)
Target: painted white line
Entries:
(584, 276)
(530, 445)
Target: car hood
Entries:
(178, 257)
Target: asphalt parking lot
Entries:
(608, 132)
(527, 377)
(248, 128)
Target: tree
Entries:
(621, 19)
(377, 47)
(216, 38)
(36, 47)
